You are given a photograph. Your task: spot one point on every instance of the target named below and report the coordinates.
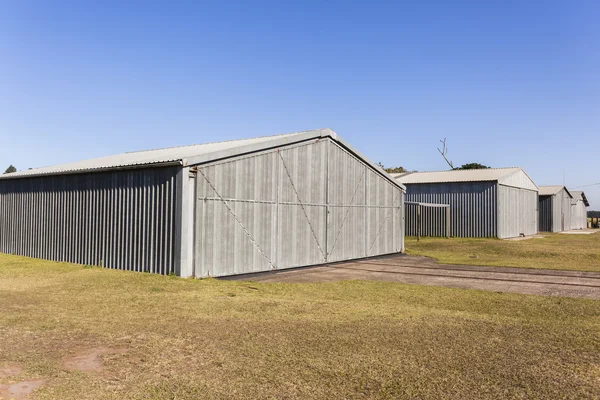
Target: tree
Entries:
(395, 170)
(473, 166)
(444, 152)
(10, 169)
(392, 170)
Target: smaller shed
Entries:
(555, 209)
(493, 202)
(579, 205)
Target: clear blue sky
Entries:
(509, 83)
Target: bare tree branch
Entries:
(444, 152)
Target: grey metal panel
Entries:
(547, 215)
(347, 205)
(299, 205)
(517, 212)
(566, 209)
(433, 220)
(236, 216)
(119, 219)
(302, 214)
(473, 207)
(384, 204)
(578, 215)
(555, 211)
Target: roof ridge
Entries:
(219, 141)
(460, 170)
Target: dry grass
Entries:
(189, 339)
(554, 251)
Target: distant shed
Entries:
(213, 209)
(579, 205)
(555, 209)
(494, 202)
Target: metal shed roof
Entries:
(552, 190)
(579, 195)
(192, 155)
(506, 176)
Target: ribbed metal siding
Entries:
(547, 215)
(361, 201)
(433, 220)
(234, 199)
(555, 212)
(517, 212)
(347, 197)
(121, 219)
(578, 215)
(473, 206)
(566, 210)
(302, 193)
(300, 205)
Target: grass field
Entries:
(554, 251)
(169, 338)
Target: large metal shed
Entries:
(554, 209)
(214, 209)
(579, 205)
(494, 202)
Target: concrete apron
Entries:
(426, 271)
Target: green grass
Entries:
(190, 339)
(554, 251)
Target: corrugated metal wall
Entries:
(517, 212)
(578, 215)
(555, 212)
(300, 205)
(549, 214)
(121, 219)
(566, 210)
(433, 220)
(473, 206)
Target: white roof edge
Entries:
(554, 193)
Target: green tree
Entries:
(473, 166)
(395, 170)
(392, 170)
(10, 169)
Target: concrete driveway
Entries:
(426, 271)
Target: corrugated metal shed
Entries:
(495, 202)
(579, 205)
(554, 209)
(207, 210)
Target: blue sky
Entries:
(508, 83)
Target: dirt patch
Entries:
(10, 370)
(90, 360)
(20, 390)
